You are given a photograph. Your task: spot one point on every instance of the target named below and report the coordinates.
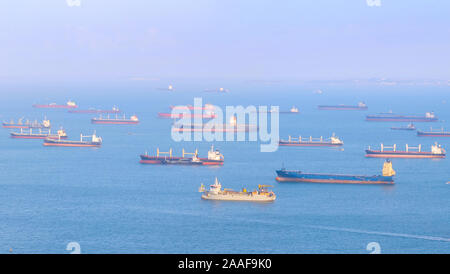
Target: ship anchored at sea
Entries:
(95, 141)
(27, 124)
(42, 134)
(437, 151)
(390, 117)
(166, 158)
(360, 106)
(387, 177)
(433, 133)
(69, 104)
(333, 141)
(116, 120)
(215, 192)
(114, 110)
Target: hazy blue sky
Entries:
(249, 39)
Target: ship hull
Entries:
(177, 161)
(295, 176)
(87, 111)
(402, 154)
(36, 136)
(433, 134)
(185, 115)
(58, 143)
(403, 128)
(114, 122)
(238, 198)
(399, 119)
(309, 144)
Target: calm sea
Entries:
(109, 203)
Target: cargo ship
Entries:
(69, 104)
(387, 177)
(292, 110)
(360, 106)
(116, 121)
(61, 134)
(215, 192)
(410, 152)
(390, 117)
(187, 115)
(233, 126)
(27, 124)
(333, 141)
(94, 142)
(166, 158)
(190, 107)
(432, 133)
(114, 110)
(410, 126)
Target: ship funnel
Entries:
(387, 169)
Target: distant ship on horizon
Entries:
(360, 106)
(69, 104)
(390, 117)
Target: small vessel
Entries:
(115, 121)
(333, 141)
(69, 104)
(387, 177)
(360, 106)
(96, 111)
(431, 133)
(410, 126)
(43, 134)
(410, 152)
(233, 126)
(215, 192)
(94, 142)
(390, 117)
(166, 158)
(27, 124)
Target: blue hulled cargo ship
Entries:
(387, 177)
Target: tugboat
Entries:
(61, 134)
(390, 117)
(114, 110)
(116, 121)
(216, 193)
(410, 126)
(360, 106)
(166, 158)
(387, 177)
(410, 152)
(333, 141)
(45, 124)
(94, 142)
(432, 133)
(69, 104)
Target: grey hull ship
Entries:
(217, 193)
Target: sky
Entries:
(226, 39)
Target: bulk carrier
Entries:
(27, 124)
(360, 106)
(233, 126)
(116, 121)
(431, 133)
(387, 177)
(333, 141)
(410, 152)
(409, 127)
(114, 110)
(69, 104)
(94, 142)
(166, 158)
(216, 193)
(61, 134)
(187, 115)
(389, 117)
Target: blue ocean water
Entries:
(106, 201)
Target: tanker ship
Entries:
(215, 192)
(166, 158)
(116, 121)
(233, 126)
(410, 126)
(333, 141)
(410, 152)
(387, 177)
(94, 142)
(61, 134)
(69, 104)
(432, 133)
(389, 117)
(360, 106)
(27, 124)
(114, 110)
